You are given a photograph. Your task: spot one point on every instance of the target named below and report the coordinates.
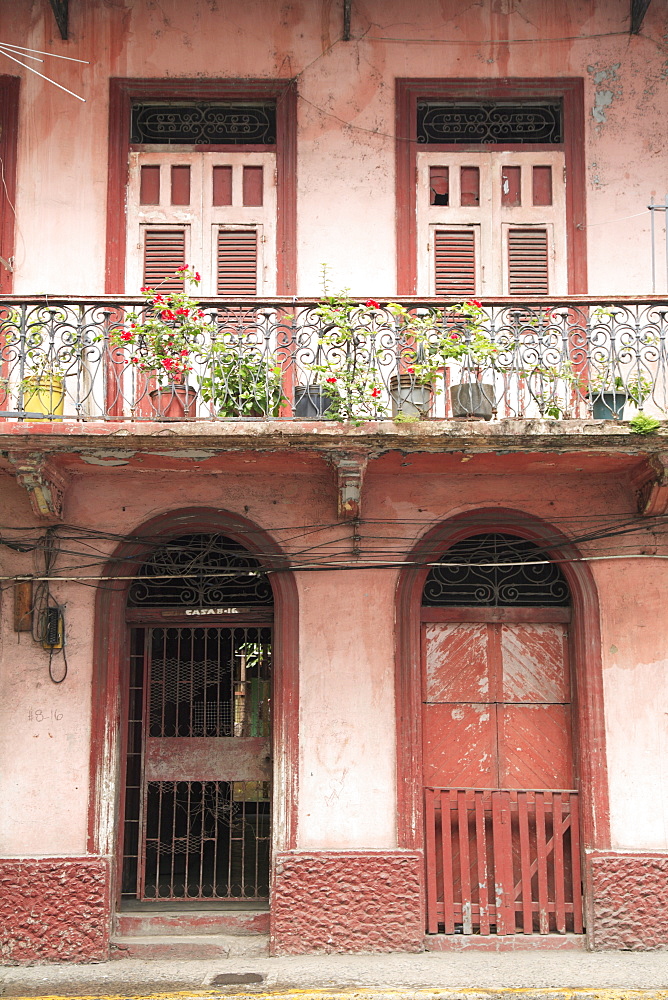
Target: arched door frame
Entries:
(111, 662)
(585, 641)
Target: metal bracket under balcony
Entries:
(60, 10)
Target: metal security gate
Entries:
(204, 791)
(197, 797)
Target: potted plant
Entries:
(414, 385)
(42, 387)
(242, 380)
(468, 343)
(551, 387)
(608, 394)
(345, 378)
(161, 339)
(428, 345)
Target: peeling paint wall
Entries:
(346, 711)
(346, 116)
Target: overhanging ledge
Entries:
(372, 438)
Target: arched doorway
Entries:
(502, 828)
(197, 797)
(122, 614)
(586, 689)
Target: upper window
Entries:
(204, 124)
(463, 122)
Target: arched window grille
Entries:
(495, 570)
(201, 570)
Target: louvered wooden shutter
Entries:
(237, 262)
(164, 254)
(527, 262)
(454, 262)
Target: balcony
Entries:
(64, 359)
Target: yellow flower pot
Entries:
(45, 395)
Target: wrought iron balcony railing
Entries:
(66, 358)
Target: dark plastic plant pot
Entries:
(608, 405)
(473, 399)
(409, 399)
(312, 401)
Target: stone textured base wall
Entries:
(338, 901)
(54, 910)
(627, 900)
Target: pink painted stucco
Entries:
(346, 215)
(346, 638)
(346, 116)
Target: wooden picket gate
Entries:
(504, 861)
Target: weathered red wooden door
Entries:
(497, 704)
(500, 798)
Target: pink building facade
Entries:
(366, 675)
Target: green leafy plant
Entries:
(342, 361)
(551, 387)
(46, 363)
(637, 388)
(429, 343)
(242, 381)
(642, 424)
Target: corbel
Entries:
(45, 483)
(350, 471)
(652, 493)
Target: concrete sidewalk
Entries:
(559, 975)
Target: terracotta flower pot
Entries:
(173, 402)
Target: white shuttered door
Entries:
(491, 223)
(216, 211)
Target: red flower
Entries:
(167, 314)
(184, 353)
(453, 336)
(372, 304)
(127, 335)
(184, 268)
(331, 379)
(158, 299)
(183, 312)
(411, 371)
(200, 314)
(376, 393)
(474, 302)
(198, 276)
(144, 289)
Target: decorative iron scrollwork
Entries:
(496, 571)
(204, 124)
(497, 122)
(201, 571)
